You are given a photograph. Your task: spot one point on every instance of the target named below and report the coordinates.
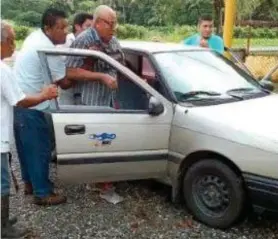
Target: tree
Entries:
(30, 18)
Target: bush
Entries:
(179, 32)
(21, 32)
(10, 14)
(243, 32)
(30, 18)
(131, 31)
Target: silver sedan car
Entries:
(187, 117)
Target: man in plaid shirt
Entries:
(95, 81)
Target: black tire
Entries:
(214, 193)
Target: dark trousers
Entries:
(33, 142)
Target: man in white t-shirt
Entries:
(12, 95)
(35, 154)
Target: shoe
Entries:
(28, 189)
(52, 199)
(8, 230)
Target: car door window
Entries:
(148, 71)
(128, 96)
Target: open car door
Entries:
(104, 144)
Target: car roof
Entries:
(155, 47)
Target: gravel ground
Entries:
(145, 213)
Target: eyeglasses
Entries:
(112, 25)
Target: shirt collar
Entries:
(95, 35)
(98, 39)
(208, 38)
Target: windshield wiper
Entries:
(199, 92)
(241, 90)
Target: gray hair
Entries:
(100, 10)
(5, 27)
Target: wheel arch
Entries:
(195, 157)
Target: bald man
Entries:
(96, 81)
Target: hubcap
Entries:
(211, 194)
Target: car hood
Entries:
(253, 122)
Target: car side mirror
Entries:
(267, 85)
(155, 106)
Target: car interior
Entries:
(142, 66)
(129, 95)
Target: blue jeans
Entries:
(33, 142)
(5, 175)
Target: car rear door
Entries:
(104, 144)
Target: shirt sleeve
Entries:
(10, 88)
(219, 46)
(187, 41)
(57, 67)
(77, 61)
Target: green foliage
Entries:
(145, 12)
(168, 33)
(131, 31)
(12, 8)
(30, 18)
(21, 32)
(85, 6)
(244, 32)
(177, 33)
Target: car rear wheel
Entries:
(214, 193)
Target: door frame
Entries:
(56, 109)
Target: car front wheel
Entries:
(214, 193)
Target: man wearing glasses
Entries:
(95, 81)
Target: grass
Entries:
(256, 42)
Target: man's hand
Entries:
(95, 48)
(110, 81)
(204, 43)
(50, 92)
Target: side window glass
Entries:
(132, 62)
(147, 69)
(148, 73)
(95, 94)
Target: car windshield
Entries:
(204, 72)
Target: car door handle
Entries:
(75, 129)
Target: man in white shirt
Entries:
(12, 95)
(35, 154)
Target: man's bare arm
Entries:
(48, 93)
(65, 83)
(79, 74)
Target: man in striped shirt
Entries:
(95, 81)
